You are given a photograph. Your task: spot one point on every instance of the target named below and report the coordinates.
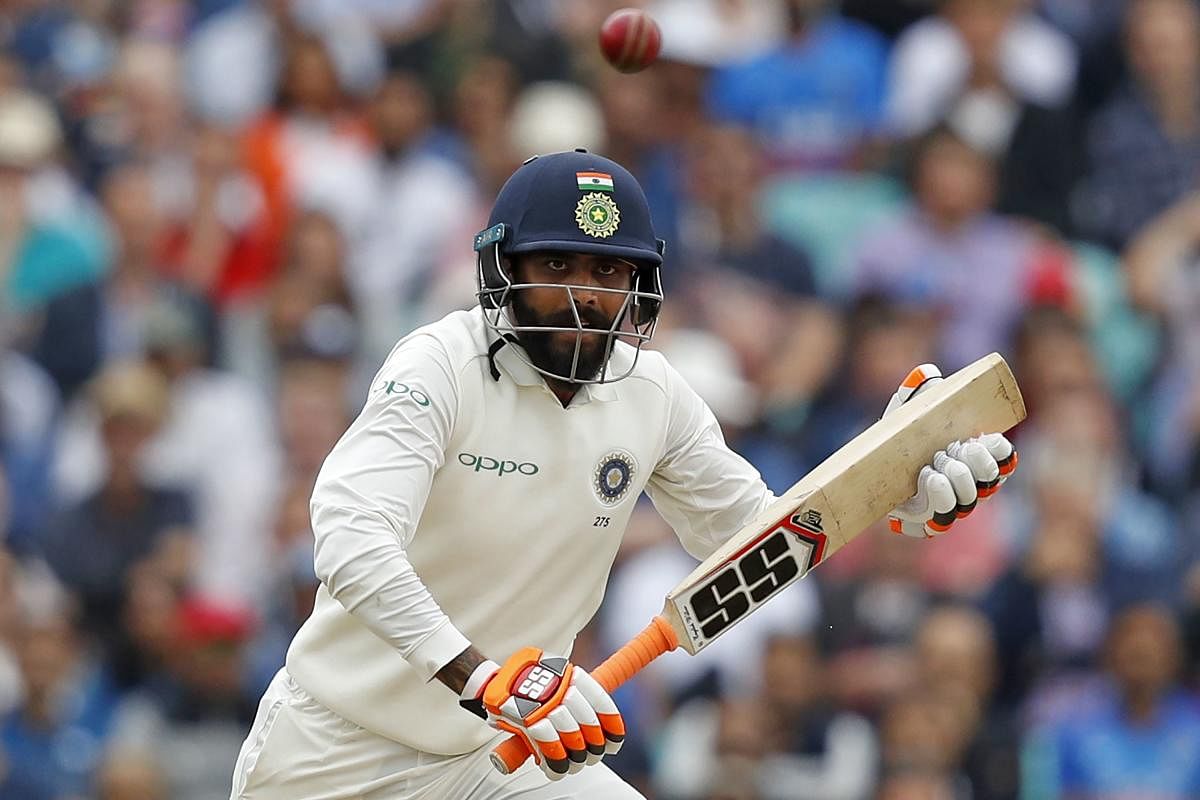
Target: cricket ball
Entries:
(630, 39)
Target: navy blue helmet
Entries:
(538, 206)
(573, 202)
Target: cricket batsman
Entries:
(467, 520)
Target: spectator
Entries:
(39, 257)
(1163, 271)
(133, 110)
(480, 106)
(926, 733)
(976, 61)
(956, 656)
(1003, 79)
(313, 413)
(130, 776)
(218, 443)
(312, 150)
(1053, 359)
(53, 741)
(209, 223)
(875, 342)
(798, 745)
(83, 329)
(816, 101)
(718, 33)
(1081, 562)
(915, 784)
(737, 753)
(722, 227)
(1143, 145)
(872, 617)
(1141, 542)
(643, 129)
(536, 38)
(192, 722)
(552, 116)
(307, 309)
(951, 254)
(217, 238)
(1141, 736)
(419, 200)
(148, 622)
(93, 546)
(789, 357)
(234, 58)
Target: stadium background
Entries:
(216, 216)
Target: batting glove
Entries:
(949, 488)
(565, 716)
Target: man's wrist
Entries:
(456, 673)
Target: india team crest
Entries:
(613, 476)
(597, 215)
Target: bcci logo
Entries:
(613, 476)
(597, 215)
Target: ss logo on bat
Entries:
(758, 573)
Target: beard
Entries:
(554, 352)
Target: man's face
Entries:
(800, 12)
(598, 285)
(1144, 651)
(954, 181)
(1161, 42)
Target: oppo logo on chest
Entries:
(500, 467)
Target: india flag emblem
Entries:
(594, 181)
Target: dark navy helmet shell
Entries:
(575, 202)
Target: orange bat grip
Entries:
(657, 638)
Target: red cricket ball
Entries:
(630, 39)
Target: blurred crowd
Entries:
(217, 216)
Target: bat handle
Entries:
(657, 638)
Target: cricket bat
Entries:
(869, 476)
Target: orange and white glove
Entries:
(960, 475)
(566, 717)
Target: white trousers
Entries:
(299, 750)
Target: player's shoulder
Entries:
(428, 365)
(453, 340)
(651, 370)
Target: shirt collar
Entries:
(511, 363)
(514, 365)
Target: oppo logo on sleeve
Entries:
(404, 390)
(499, 466)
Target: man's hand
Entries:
(961, 474)
(564, 715)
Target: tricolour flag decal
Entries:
(594, 181)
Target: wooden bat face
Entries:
(845, 494)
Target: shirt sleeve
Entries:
(369, 497)
(704, 490)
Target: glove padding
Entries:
(565, 716)
(959, 476)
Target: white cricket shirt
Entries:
(459, 508)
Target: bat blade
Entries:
(856, 486)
